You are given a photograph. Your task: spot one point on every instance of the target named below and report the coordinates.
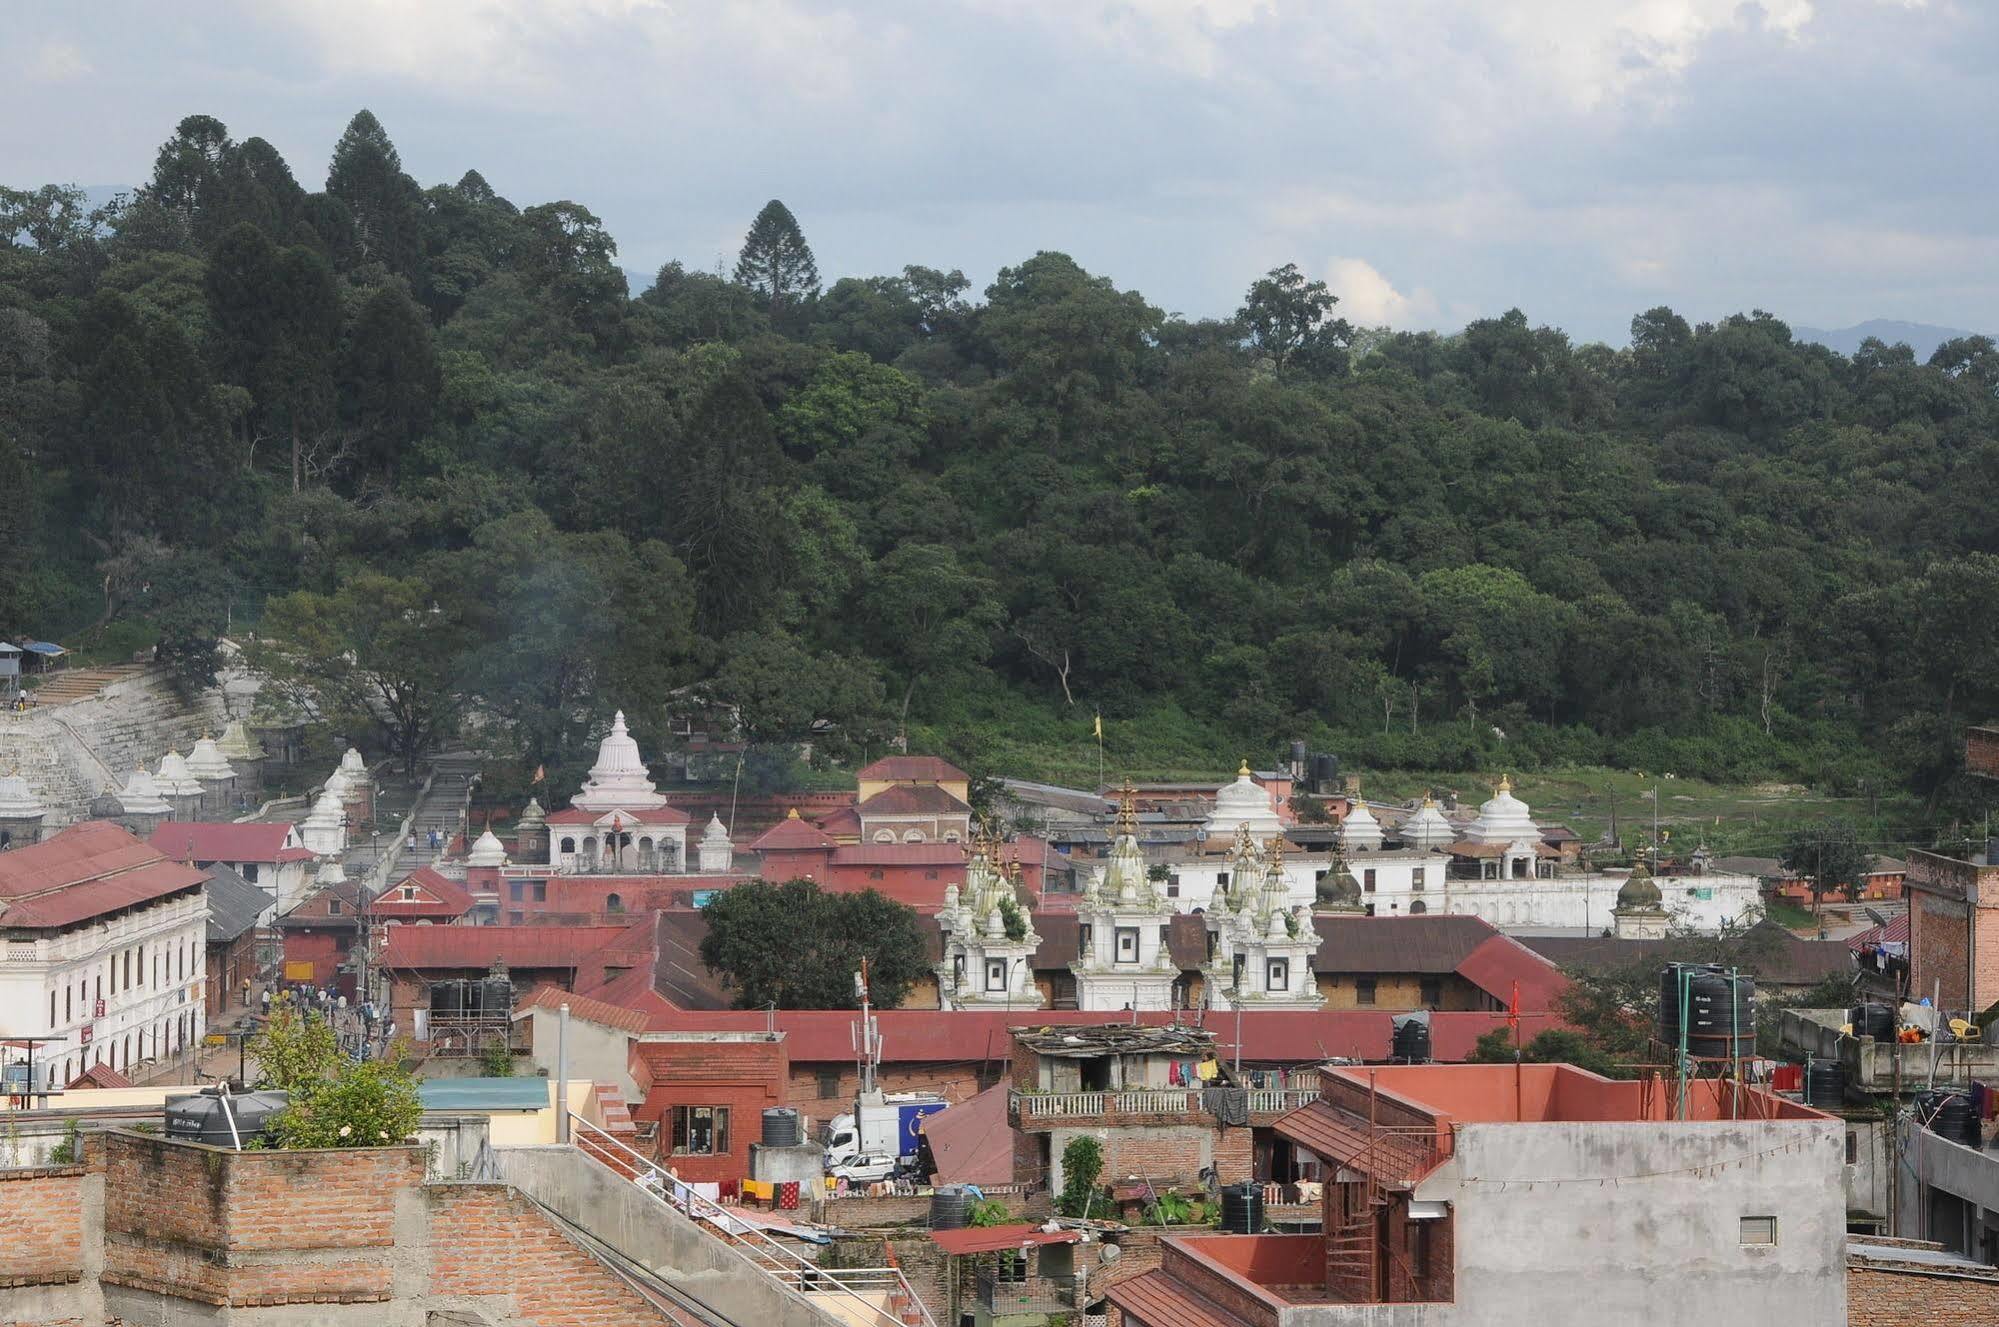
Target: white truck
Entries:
(882, 1132)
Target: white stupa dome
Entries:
(618, 779)
(1244, 802)
(488, 851)
(1428, 830)
(207, 763)
(141, 796)
(17, 799)
(717, 833)
(326, 811)
(330, 872)
(1360, 831)
(1504, 819)
(352, 765)
(175, 779)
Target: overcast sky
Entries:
(1434, 160)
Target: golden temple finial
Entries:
(791, 814)
(1243, 773)
(1274, 851)
(1505, 784)
(1127, 810)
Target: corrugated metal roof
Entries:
(219, 841)
(900, 769)
(85, 871)
(913, 799)
(1433, 943)
(479, 946)
(991, 1239)
(1394, 1156)
(477, 1094)
(1157, 1300)
(234, 904)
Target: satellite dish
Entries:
(1110, 1254)
(1875, 917)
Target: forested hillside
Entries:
(426, 443)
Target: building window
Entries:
(1433, 991)
(1277, 975)
(1172, 886)
(333, 907)
(700, 1131)
(52, 1011)
(409, 893)
(1367, 879)
(68, 1009)
(915, 836)
(995, 974)
(1083, 940)
(829, 1084)
(1416, 907)
(1363, 990)
(1759, 1230)
(1127, 944)
(613, 903)
(569, 845)
(1010, 1266)
(875, 874)
(1852, 1149)
(250, 872)
(1416, 878)
(515, 889)
(540, 890)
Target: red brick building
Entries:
(703, 1094)
(1954, 929)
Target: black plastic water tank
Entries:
(1949, 1115)
(1412, 1041)
(948, 1208)
(200, 1117)
(447, 998)
(1720, 1011)
(781, 1127)
(1242, 1209)
(1873, 1020)
(1825, 1084)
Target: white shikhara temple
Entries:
(1260, 943)
(619, 822)
(1498, 865)
(989, 938)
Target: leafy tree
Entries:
(791, 945)
(1291, 320)
(929, 614)
(378, 653)
(776, 262)
(1082, 1168)
(373, 1103)
(389, 380)
(297, 1050)
(1829, 856)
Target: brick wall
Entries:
(252, 1228)
(41, 1227)
(1879, 1297)
(488, 1240)
(741, 1077)
(810, 1081)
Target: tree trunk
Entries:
(298, 458)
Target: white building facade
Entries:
(105, 954)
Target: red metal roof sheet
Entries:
(1496, 965)
(1395, 1156)
(86, 871)
(792, 833)
(991, 1239)
(446, 897)
(1157, 1300)
(480, 946)
(587, 1008)
(971, 1142)
(213, 841)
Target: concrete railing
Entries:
(1142, 1101)
(1876, 1066)
(1280, 1100)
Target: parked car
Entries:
(863, 1169)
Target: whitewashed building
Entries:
(1126, 962)
(105, 954)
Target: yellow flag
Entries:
(1100, 727)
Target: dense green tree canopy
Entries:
(829, 515)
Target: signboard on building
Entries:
(88, 1029)
(98, 1010)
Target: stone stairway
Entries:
(82, 683)
(441, 809)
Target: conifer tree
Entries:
(776, 261)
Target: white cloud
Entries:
(58, 62)
(1369, 299)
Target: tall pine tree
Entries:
(367, 175)
(776, 261)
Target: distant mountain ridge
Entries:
(1923, 338)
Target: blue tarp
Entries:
(43, 647)
(474, 1094)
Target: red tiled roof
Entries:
(1157, 1300)
(211, 841)
(913, 800)
(843, 821)
(794, 834)
(479, 946)
(588, 1008)
(447, 898)
(86, 871)
(655, 815)
(991, 1239)
(912, 769)
(98, 1076)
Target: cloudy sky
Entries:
(1434, 160)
